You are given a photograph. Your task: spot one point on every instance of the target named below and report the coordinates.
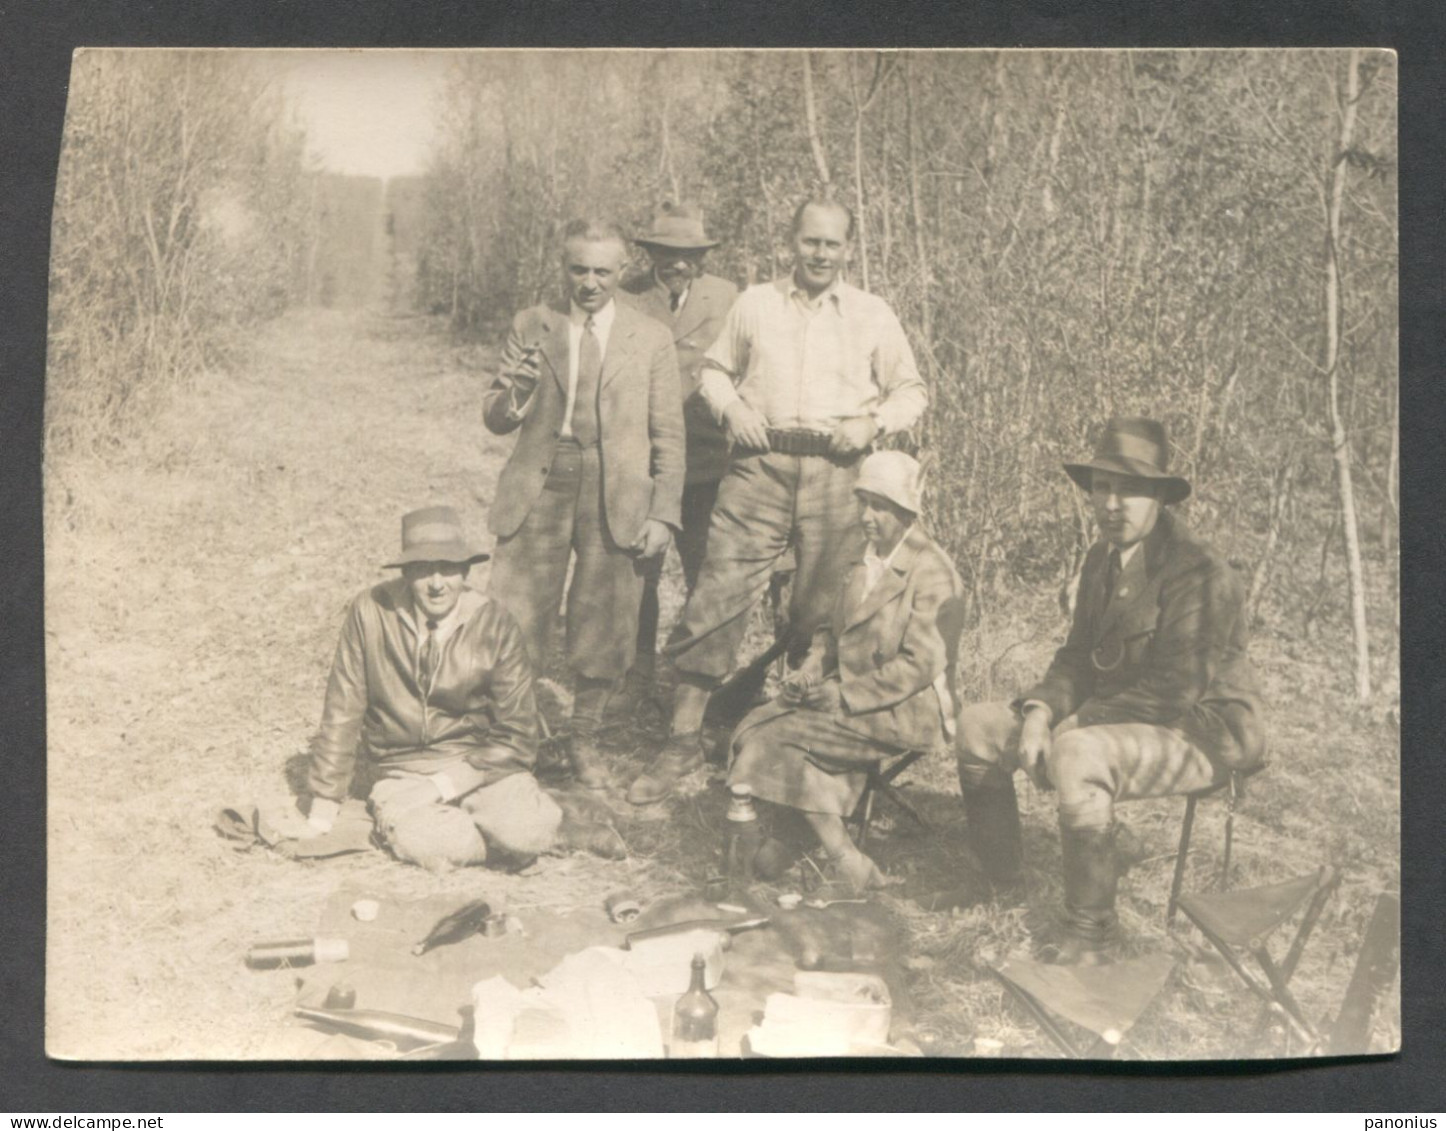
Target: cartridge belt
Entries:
(798, 442)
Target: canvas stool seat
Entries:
(1244, 920)
(1103, 1000)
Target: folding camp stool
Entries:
(1244, 920)
(881, 778)
(1105, 1000)
(1234, 788)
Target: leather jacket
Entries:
(477, 718)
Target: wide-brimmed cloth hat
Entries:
(678, 227)
(434, 534)
(1133, 445)
(895, 476)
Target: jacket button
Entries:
(545, 470)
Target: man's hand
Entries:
(796, 688)
(319, 820)
(1035, 743)
(746, 427)
(853, 435)
(523, 372)
(653, 540)
(826, 697)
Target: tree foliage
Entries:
(1066, 236)
(180, 205)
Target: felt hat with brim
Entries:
(678, 227)
(895, 476)
(1133, 445)
(434, 534)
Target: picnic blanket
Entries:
(384, 974)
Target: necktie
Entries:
(589, 369)
(1112, 575)
(427, 663)
(674, 300)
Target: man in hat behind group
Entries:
(431, 681)
(1151, 695)
(679, 293)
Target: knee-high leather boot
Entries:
(992, 817)
(991, 826)
(1091, 876)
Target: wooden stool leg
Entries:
(1185, 829)
(1234, 795)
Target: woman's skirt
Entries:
(803, 759)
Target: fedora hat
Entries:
(434, 534)
(895, 476)
(1133, 445)
(677, 226)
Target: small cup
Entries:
(365, 910)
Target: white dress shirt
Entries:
(602, 325)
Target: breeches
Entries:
(692, 543)
(767, 503)
(512, 816)
(1091, 767)
(529, 572)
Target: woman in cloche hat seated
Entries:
(875, 682)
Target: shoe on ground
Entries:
(588, 766)
(679, 758)
(575, 835)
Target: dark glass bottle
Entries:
(695, 1019)
(744, 836)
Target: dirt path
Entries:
(192, 611)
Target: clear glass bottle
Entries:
(695, 1019)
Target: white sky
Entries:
(366, 112)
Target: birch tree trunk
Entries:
(1340, 439)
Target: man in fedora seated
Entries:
(875, 682)
(679, 293)
(431, 681)
(1151, 695)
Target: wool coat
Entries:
(694, 329)
(1169, 648)
(892, 651)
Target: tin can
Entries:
(622, 907)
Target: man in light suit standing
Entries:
(596, 478)
(692, 304)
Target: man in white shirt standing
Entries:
(596, 478)
(805, 376)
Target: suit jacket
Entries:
(1170, 648)
(893, 650)
(640, 421)
(693, 328)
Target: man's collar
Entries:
(834, 291)
(467, 602)
(668, 294)
(602, 320)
